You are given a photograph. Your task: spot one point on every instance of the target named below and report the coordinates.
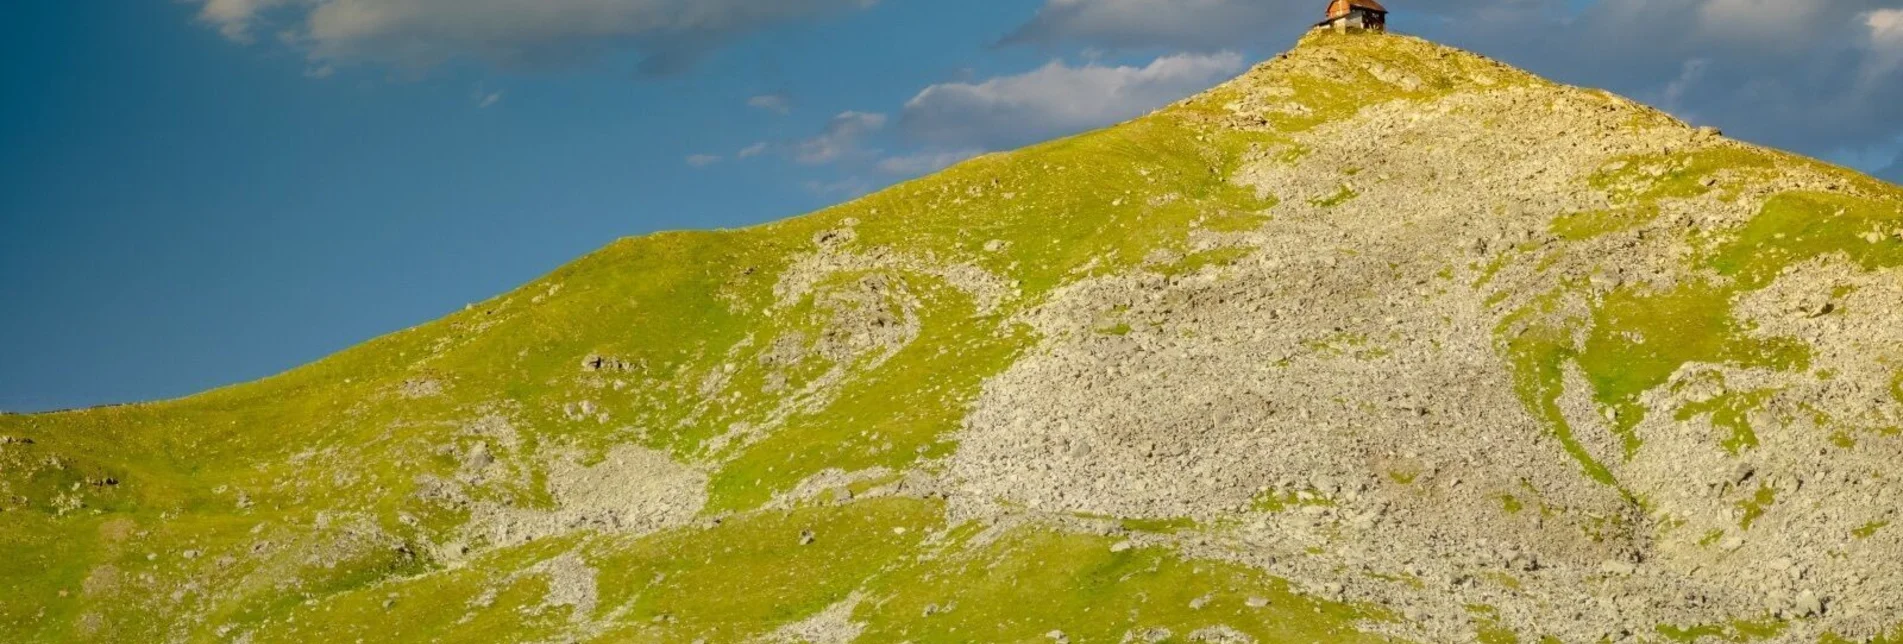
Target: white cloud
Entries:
(484, 101)
(842, 138)
(772, 103)
(235, 18)
(1885, 62)
(1886, 35)
(1886, 27)
(702, 160)
(419, 33)
(924, 162)
(754, 150)
(1056, 99)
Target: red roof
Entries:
(1340, 8)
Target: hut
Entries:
(1355, 15)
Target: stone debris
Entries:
(1351, 363)
(834, 625)
(632, 490)
(599, 363)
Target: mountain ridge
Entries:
(1365, 343)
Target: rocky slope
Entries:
(1381, 341)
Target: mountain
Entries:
(1382, 341)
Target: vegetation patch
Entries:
(1340, 197)
(748, 576)
(1487, 626)
(1735, 631)
(462, 604)
(1797, 226)
(1195, 263)
(898, 413)
(1639, 339)
(1159, 526)
(1752, 509)
(1730, 411)
(1033, 582)
(1347, 343)
(1272, 501)
(1587, 225)
(1236, 221)
(1538, 348)
(741, 579)
(1649, 177)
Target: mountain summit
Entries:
(1382, 341)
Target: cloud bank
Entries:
(670, 34)
(841, 140)
(1056, 99)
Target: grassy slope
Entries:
(337, 439)
(289, 506)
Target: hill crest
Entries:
(1379, 340)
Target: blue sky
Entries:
(200, 192)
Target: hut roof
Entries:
(1340, 8)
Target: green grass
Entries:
(1737, 631)
(747, 577)
(1342, 196)
(1798, 226)
(1753, 508)
(901, 413)
(1160, 526)
(1731, 411)
(1195, 263)
(1538, 348)
(1647, 178)
(740, 579)
(455, 606)
(1270, 501)
(1239, 221)
(1640, 338)
(1587, 225)
(1034, 581)
(1487, 627)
